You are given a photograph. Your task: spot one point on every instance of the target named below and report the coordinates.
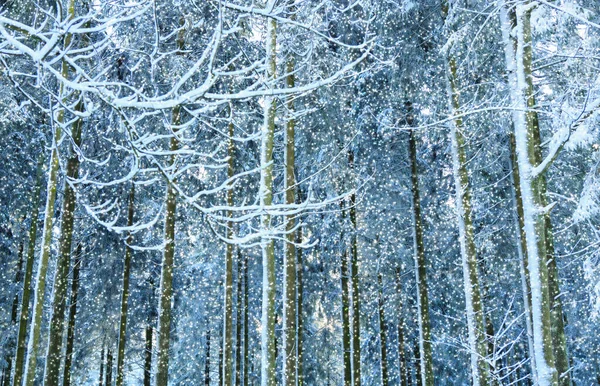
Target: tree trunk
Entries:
(473, 301)
(382, 334)
(299, 316)
(519, 65)
(246, 337)
(13, 320)
(72, 315)
(61, 279)
(268, 356)
(522, 252)
(109, 367)
(26, 295)
(101, 379)
(228, 282)
(125, 291)
(207, 360)
(148, 357)
(402, 365)
(424, 359)
(166, 282)
(289, 257)
(239, 324)
(40, 283)
(354, 284)
(346, 339)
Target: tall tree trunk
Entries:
(526, 126)
(522, 252)
(402, 365)
(239, 322)
(424, 360)
(61, 280)
(72, 315)
(382, 334)
(299, 315)
(354, 284)
(40, 282)
(418, 366)
(473, 300)
(207, 359)
(268, 356)
(346, 339)
(125, 291)
(228, 282)
(246, 335)
(109, 367)
(148, 356)
(26, 295)
(166, 282)
(101, 378)
(289, 257)
(13, 320)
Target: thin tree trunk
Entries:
(473, 300)
(418, 366)
(402, 365)
(228, 287)
(289, 257)
(299, 315)
(346, 339)
(101, 379)
(268, 356)
(125, 291)
(72, 315)
(519, 65)
(424, 359)
(26, 295)
(207, 360)
(40, 282)
(148, 357)
(166, 282)
(246, 335)
(238, 320)
(382, 334)
(109, 367)
(354, 284)
(61, 280)
(13, 319)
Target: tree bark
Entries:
(125, 291)
(228, 282)
(346, 339)
(239, 323)
(268, 348)
(402, 365)
(207, 359)
(382, 334)
(424, 359)
(109, 367)
(246, 335)
(299, 315)
(101, 379)
(72, 315)
(166, 282)
(148, 357)
(354, 284)
(26, 295)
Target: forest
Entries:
(299, 192)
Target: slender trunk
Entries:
(346, 340)
(40, 282)
(289, 257)
(526, 127)
(424, 359)
(522, 252)
(228, 282)
(148, 357)
(473, 301)
(246, 335)
(101, 379)
(61, 280)
(354, 284)
(418, 366)
(268, 357)
(207, 360)
(13, 320)
(166, 282)
(109, 367)
(239, 325)
(125, 292)
(299, 317)
(382, 334)
(72, 315)
(402, 365)
(26, 295)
